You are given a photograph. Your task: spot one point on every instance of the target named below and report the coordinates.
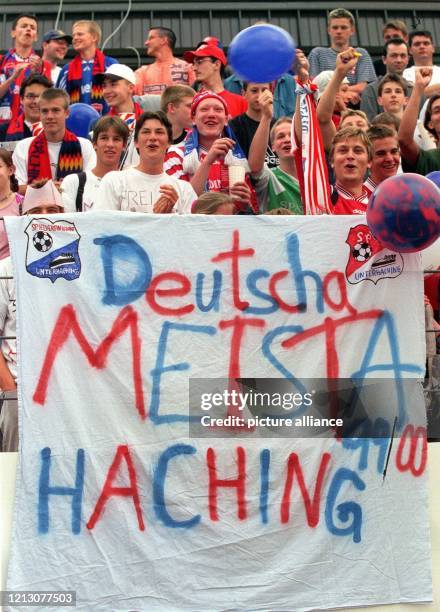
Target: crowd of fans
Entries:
(185, 136)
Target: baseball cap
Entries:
(57, 35)
(205, 51)
(116, 72)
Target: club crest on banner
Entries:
(52, 249)
(364, 262)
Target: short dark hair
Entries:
(158, 116)
(424, 33)
(387, 119)
(395, 24)
(245, 84)
(381, 130)
(393, 41)
(168, 34)
(340, 13)
(427, 118)
(35, 79)
(22, 16)
(53, 93)
(110, 123)
(392, 78)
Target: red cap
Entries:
(206, 51)
(203, 95)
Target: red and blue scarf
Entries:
(74, 78)
(128, 118)
(7, 66)
(70, 159)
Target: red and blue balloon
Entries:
(404, 213)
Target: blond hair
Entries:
(209, 202)
(175, 94)
(348, 133)
(93, 27)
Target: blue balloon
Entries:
(81, 119)
(261, 53)
(434, 177)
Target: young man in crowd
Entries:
(341, 27)
(245, 125)
(395, 59)
(55, 46)
(415, 159)
(283, 93)
(79, 191)
(392, 29)
(166, 69)
(345, 62)
(205, 156)
(176, 103)
(422, 49)
(350, 158)
(280, 137)
(146, 187)
(27, 123)
(40, 199)
(393, 94)
(55, 152)
(385, 160)
(209, 65)
(18, 64)
(76, 77)
(118, 83)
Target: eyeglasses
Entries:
(199, 60)
(30, 96)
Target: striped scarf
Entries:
(70, 159)
(17, 129)
(128, 118)
(310, 157)
(74, 78)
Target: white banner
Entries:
(118, 501)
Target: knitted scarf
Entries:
(74, 78)
(70, 158)
(17, 129)
(7, 65)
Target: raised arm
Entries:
(258, 148)
(345, 63)
(408, 147)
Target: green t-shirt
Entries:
(289, 197)
(427, 161)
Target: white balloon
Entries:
(431, 256)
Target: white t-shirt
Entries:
(21, 152)
(410, 75)
(8, 324)
(136, 191)
(69, 190)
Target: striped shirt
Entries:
(324, 58)
(363, 198)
